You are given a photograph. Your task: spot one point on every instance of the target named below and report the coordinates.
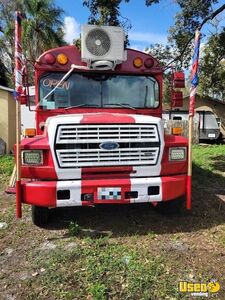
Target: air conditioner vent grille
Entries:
(98, 42)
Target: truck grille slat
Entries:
(78, 145)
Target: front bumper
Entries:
(91, 192)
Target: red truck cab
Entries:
(100, 136)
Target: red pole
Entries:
(18, 90)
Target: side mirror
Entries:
(178, 80)
(177, 99)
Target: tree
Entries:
(163, 54)
(42, 29)
(212, 67)
(106, 12)
(3, 77)
(192, 13)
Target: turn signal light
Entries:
(29, 132)
(62, 59)
(177, 130)
(138, 62)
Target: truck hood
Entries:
(103, 118)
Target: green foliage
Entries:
(98, 291)
(102, 269)
(3, 76)
(6, 165)
(209, 165)
(164, 54)
(212, 70)
(42, 29)
(41, 26)
(187, 20)
(105, 12)
(74, 228)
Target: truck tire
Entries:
(171, 207)
(40, 215)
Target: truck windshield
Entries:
(99, 90)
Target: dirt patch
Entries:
(116, 252)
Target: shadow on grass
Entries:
(140, 219)
(218, 163)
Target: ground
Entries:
(117, 252)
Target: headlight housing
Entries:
(177, 154)
(32, 157)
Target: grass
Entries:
(74, 228)
(6, 164)
(209, 165)
(6, 167)
(101, 269)
(210, 157)
(135, 263)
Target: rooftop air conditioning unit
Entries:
(102, 47)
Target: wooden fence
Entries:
(170, 124)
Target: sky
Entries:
(150, 25)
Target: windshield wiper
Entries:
(63, 79)
(81, 105)
(121, 105)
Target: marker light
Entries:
(49, 59)
(176, 154)
(149, 62)
(29, 132)
(177, 130)
(32, 157)
(138, 62)
(62, 59)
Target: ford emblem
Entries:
(109, 146)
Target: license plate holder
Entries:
(109, 193)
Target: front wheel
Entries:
(40, 215)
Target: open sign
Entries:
(48, 82)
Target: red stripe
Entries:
(173, 187)
(188, 199)
(18, 200)
(106, 172)
(107, 118)
(192, 106)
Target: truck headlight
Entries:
(32, 157)
(176, 154)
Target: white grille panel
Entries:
(74, 134)
(138, 145)
(98, 157)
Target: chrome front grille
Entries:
(91, 133)
(79, 145)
